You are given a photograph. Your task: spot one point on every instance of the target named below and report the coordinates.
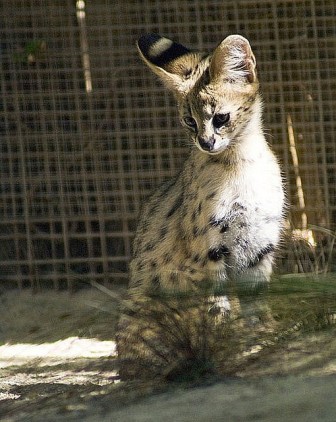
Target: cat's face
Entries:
(216, 93)
(215, 116)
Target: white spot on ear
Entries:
(159, 47)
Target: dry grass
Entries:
(178, 339)
(310, 251)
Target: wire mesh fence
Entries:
(87, 132)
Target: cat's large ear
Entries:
(171, 61)
(234, 61)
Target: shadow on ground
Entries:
(291, 378)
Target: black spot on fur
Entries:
(216, 254)
(155, 283)
(167, 258)
(163, 232)
(238, 207)
(199, 231)
(224, 228)
(196, 258)
(220, 222)
(214, 222)
(149, 246)
(260, 255)
(188, 73)
(196, 212)
(176, 206)
(139, 266)
(210, 195)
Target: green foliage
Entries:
(31, 52)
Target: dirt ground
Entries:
(58, 363)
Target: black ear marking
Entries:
(159, 50)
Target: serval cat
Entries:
(220, 219)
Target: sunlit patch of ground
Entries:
(55, 345)
(56, 352)
(54, 356)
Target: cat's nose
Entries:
(207, 144)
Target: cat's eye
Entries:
(190, 122)
(220, 119)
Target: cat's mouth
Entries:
(212, 146)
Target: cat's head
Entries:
(215, 92)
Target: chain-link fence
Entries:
(87, 132)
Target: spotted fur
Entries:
(220, 218)
(226, 205)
